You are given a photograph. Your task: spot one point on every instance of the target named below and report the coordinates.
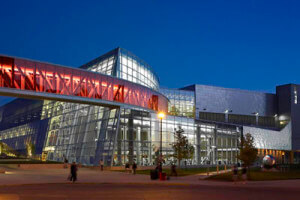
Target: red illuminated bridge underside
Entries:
(41, 79)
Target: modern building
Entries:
(113, 114)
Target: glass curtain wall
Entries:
(139, 139)
(135, 70)
(218, 143)
(85, 134)
(169, 125)
(134, 138)
(104, 66)
(81, 133)
(19, 137)
(125, 65)
(181, 102)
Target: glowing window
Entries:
(295, 95)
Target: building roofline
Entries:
(232, 89)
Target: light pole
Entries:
(161, 115)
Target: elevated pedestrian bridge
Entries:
(38, 80)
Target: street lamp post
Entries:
(161, 115)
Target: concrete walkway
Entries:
(90, 176)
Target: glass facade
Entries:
(135, 70)
(88, 133)
(104, 66)
(169, 125)
(138, 136)
(181, 102)
(18, 136)
(80, 132)
(218, 143)
(21, 111)
(125, 65)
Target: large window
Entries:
(217, 117)
(137, 71)
(239, 119)
(181, 102)
(242, 119)
(105, 66)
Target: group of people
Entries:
(173, 169)
(74, 168)
(73, 171)
(235, 176)
(134, 167)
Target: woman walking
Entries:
(73, 172)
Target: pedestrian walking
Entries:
(235, 174)
(244, 174)
(127, 167)
(134, 167)
(66, 162)
(73, 172)
(173, 170)
(159, 168)
(101, 164)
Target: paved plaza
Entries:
(18, 184)
(142, 192)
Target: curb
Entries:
(100, 183)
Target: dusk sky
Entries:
(253, 45)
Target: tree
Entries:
(156, 154)
(182, 148)
(174, 111)
(248, 153)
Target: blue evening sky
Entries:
(251, 45)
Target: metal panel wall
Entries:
(217, 100)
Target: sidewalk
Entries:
(207, 174)
(89, 176)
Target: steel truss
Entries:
(41, 77)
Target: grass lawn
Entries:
(181, 171)
(257, 175)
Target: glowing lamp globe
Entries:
(161, 115)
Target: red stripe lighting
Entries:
(36, 76)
